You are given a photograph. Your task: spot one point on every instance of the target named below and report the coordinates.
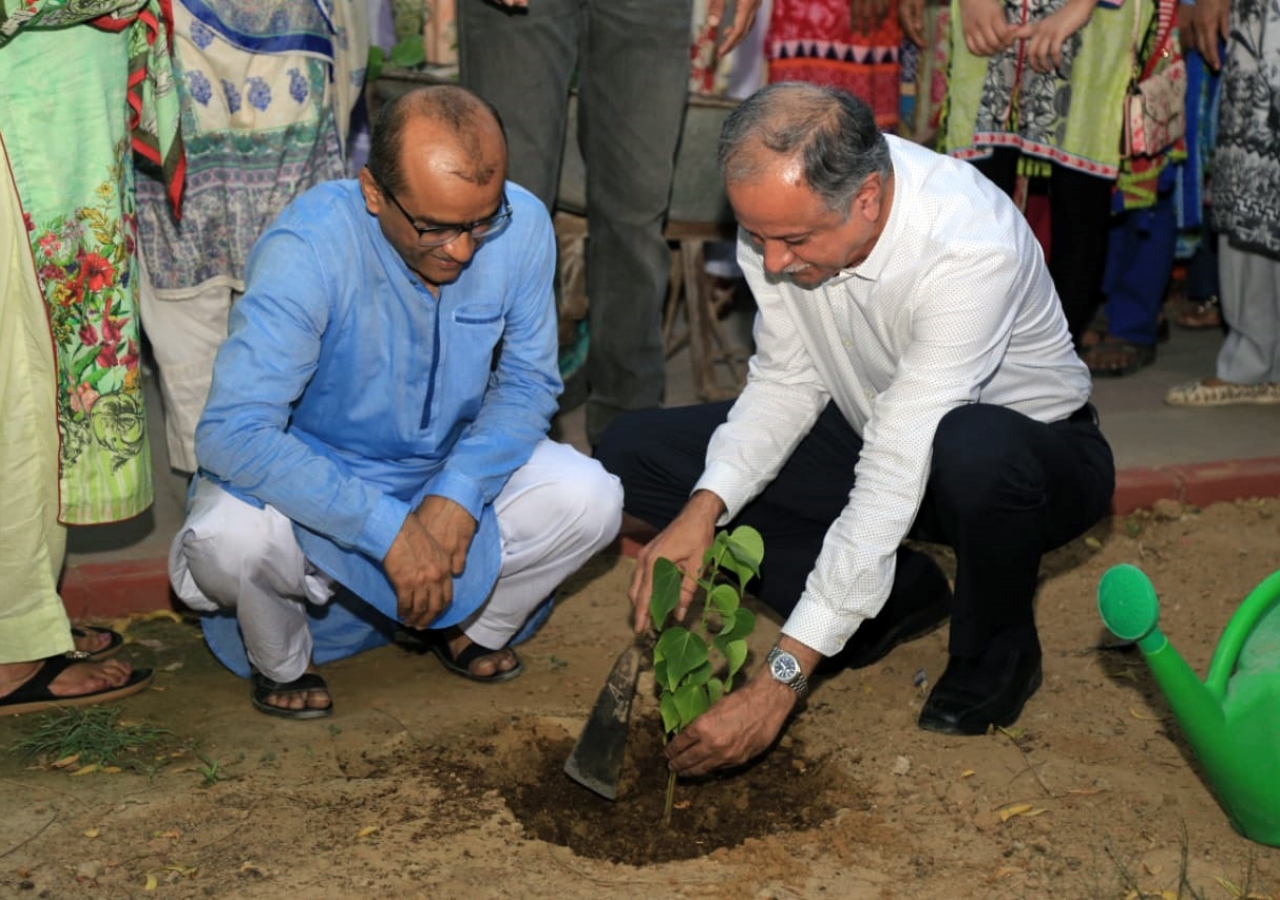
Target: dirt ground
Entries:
(424, 785)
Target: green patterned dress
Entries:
(83, 85)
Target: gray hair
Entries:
(833, 134)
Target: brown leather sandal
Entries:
(1200, 314)
(1115, 358)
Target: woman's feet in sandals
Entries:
(92, 642)
(1116, 358)
(463, 656)
(61, 681)
(306, 697)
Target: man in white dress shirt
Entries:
(913, 377)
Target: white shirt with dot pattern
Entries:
(954, 305)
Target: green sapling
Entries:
(695, 665)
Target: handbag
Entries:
(1155, 110)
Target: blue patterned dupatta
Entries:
(300, 26)
(266, 92)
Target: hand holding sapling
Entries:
(684, 542)
(734, 731)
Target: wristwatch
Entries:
(784, 667)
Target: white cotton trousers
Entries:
(555, 512)
(185, 329)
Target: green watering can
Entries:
(1232, 718)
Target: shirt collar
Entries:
(871, 268)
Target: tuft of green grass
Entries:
(95, 733)
(210, 770)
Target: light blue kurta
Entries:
(346, 391)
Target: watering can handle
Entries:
(1242, 623)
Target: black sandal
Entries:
(113, 646)
(263, 687)
(461, 664)
(34, 695)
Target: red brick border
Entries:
(104, 590)
(1198, 484)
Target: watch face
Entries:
(785, 668)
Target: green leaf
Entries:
(715, 690)
(408, 53)
(683, 651)
(373, 68)
(700, 675)
(724, 599)
(736, 654)
(691, 701)
(746, 552)
(713, 556)
(670, 714)
(660, 674)
(664, 596)
(746, 544)
(736, 628)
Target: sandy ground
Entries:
(424, 785)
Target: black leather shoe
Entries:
(876, 637)
(973, 695)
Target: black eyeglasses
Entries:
(439, 235)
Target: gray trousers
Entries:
(1250, 286)
(632, 64)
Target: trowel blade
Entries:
(596, 760)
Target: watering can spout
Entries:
(1229, 721)
(1129, 607)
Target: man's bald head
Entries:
(831, 136)
(451, 114)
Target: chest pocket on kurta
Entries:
(470, 347)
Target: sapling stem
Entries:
(671, 796)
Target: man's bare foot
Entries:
(74, 681)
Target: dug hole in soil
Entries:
(425, 785)
(782, 792)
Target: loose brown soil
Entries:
(425, 785)
(780, 793)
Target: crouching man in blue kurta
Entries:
(374, 449)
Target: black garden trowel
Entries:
(596, 760)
